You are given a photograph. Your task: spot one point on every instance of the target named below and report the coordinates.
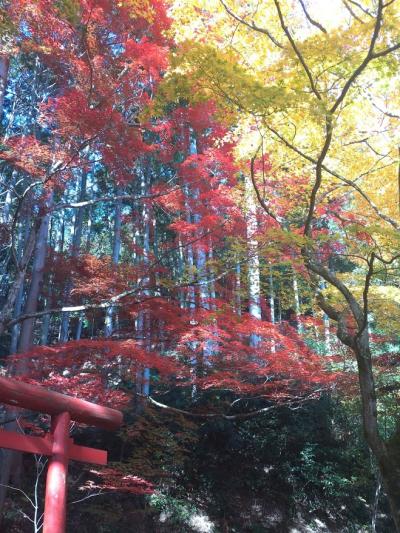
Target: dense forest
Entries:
(200, 227)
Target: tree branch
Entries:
(257, 191)
(348, 182)
(370, 55)
(252, 26)
(367, 284)
(346, 5)
(122, 197)
(239, 416)
(318, 173)
(297, 51)
(363, 9)
(311, 20)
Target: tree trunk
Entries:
(389, 468)
(23, 240)
(253, 261)
(76, 243)
(386, 454)
(26, 337)
(297, 307)
(12, 461)
(272, 305)
(9, 306)
(116, 250)
(4, 66)
(238, 290)
(142, 321)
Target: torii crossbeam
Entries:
(56, 444)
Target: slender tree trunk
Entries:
(46, 319)
(272, 304)
(76, 244)
(116, 250)
(26, 337)
(211, 284)
(190, 261)
(12, 461)
(238, 290)
(327, 330)
(297, 307)
(180, 270)
(15, 333)
(20, 296)
(142, 321)
(4, 67)
(376, 503)
(9, 306)
(253, 261)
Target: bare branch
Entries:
(368, 58)
(89, 496)
(297, 51)
(363, 9)
(257, 191)
(239, 416)
(310, 19)
(252, 26)
(318, 173)
(346, 5)
(122, 197)
(367, 284)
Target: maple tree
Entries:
(314, 92)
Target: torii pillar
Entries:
(57, 443)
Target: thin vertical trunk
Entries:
(15, 333)
(89, 232)
(201, 258)
(116, 251)
(180, 269)
(253, 261)
(272, 304)
(297, 307)
(327, 328)
(46, 319)
(271, 296)
(20, 296)
(238, 290)
(142, 321)
(11, 464)
(7, 207)
(76, 244)
(4, 67)
(190, 261)
(26, 337)
(211, 284)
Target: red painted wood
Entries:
(44, 446)
(36, 398)
(55, 506)
(25, 443)
(87, 455)
(58, 445)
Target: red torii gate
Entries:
(57, 443)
